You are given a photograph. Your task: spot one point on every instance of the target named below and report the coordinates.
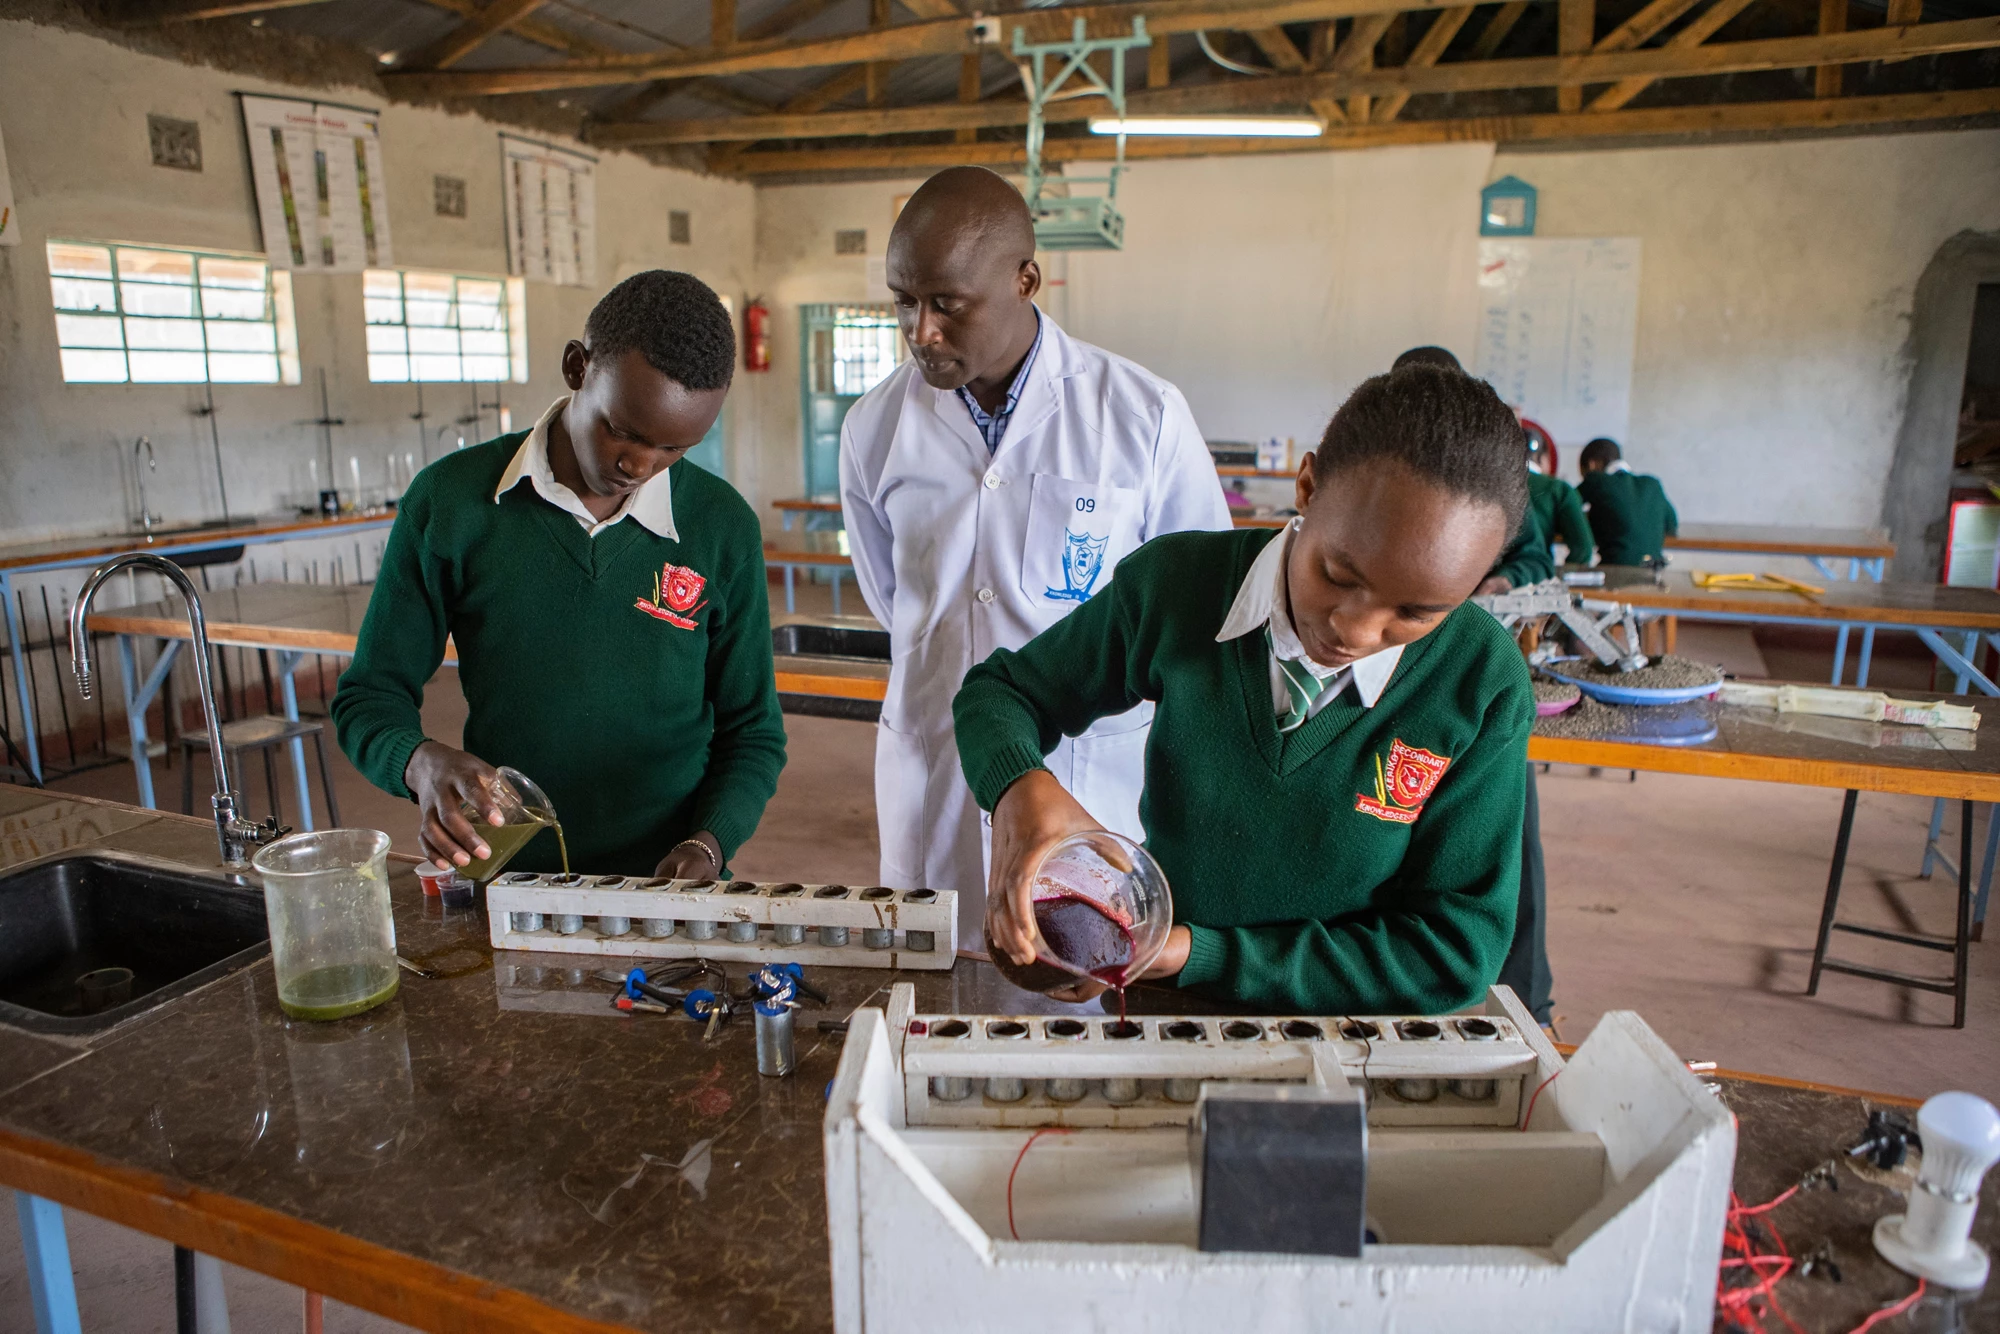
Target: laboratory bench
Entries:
(499, 1149)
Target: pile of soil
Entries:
(1588, 721)
(1554, 692)
(1663, 673)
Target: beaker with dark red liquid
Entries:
(1102, 914)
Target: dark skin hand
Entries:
(1381, 559)
(625, 424)
(962, 271)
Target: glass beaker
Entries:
(1102, 913)
(333, 942)
(525, 812)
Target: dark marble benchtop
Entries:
(503, 1121)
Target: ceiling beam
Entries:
(1357, 53)
(936, 37)
(1429, 47)
(1827, 80)
(185, 11)
(1645, 25)
(1713, 21)
(1497, 28)
(1278, 49)
(1246, 94)
(1650, 123)
(934, 9)
(1576, 32)
(534, 30)
(463, 40)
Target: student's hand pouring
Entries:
(442, 778)
(1031, 817)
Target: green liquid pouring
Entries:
(339, 991)
(503, 841)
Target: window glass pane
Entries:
(229, 303)
(83, 294)
(433, 313)
(483, 343)
(152, 299)
(89, 331)
(481, 317)
(387, 338)
(383, 309)
(92, 366)
(243, 367)
(168, 367)
(248, 275)
(434, 340)
(428, 286)
(382, 282)
(161, 334)
(435, 368)
(389, 368)
(486, 368)
(241, 336)
(155, 266)
(80, 261)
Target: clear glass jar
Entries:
(333, 941)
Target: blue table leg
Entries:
(288, 663)
(1968, 671)
(1931, 854)
(1867, 655)
(51, 1285)
(30, 732)
(1819, 563)
(836, 592)
(1839, 653)
(791, 605)
(138, 698)
(1874, 568)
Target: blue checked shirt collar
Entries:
(993, 427)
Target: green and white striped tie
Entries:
(1301, 687)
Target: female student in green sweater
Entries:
(607, 600)
(1334, 783)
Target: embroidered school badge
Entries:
(1082, 562)
(1403, 785)
(676, 596)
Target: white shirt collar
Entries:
(652, 504)
(1260, 601)
(1616, 465)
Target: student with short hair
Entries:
(1629, 512)
(1557, 507)
(1334, 783)
(607, 601)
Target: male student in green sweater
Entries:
(1629, 511)
(1334, 780)
(1557, 507)
(607, 601)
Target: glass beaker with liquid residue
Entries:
(525, 811)
(333, 942)
(1102, 913)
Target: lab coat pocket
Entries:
(901, 786)
(1077, 534)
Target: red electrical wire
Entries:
(1891, 1312)
(1045, 1130)
(1536, 1094)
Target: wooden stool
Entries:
(265, 734)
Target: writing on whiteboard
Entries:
(1558, 321)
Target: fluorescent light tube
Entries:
(1243, 127)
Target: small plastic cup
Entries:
(1102, 913)
(433, 878)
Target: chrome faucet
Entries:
(236, 836)
(146, 516)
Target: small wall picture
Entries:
(448, 196)
(680, 231)
(851, 241)
(176, 143)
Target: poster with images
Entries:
(10, 221)
(322, 194)
(549, 198)
(1558, 320)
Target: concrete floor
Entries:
(1693, 901)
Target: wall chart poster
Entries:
(1557, 322)
(321, 192)
(550, 199)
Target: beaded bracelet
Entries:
(707, 851)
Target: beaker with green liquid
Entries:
(525, 812)
(333, 942)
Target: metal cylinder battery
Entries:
(775, 1054)
(1067, 1090)
(1005, 1090)
(742, 933)
(951, 1088)
(700, 930)
(1180, 1090)
(833, 935)
(568, 923)
(878, 937)
(1415, 1090)
(1473, 1090)
(922, 942)
(527, 921)
(656, 928)
(613, 926)
(787, 933)
(1121, 1090)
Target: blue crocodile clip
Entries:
(697, 998)
(632, 981)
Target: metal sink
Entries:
(70, 924)
(812, 640)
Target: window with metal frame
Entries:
(444, 326)
(133, 314)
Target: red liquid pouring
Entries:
(1082, 934)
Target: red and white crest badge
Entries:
(676, 596)
(1404, 784)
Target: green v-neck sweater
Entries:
(1367, 862)
(644, 706)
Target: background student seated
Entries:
(1629, 512)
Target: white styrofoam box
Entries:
(1604, 1213)
(918, 928)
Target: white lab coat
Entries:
(959, 553)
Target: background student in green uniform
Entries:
(1557, 508)
(607, 601)
(1629, 511)
(1334, 780)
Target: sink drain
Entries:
(102, 988)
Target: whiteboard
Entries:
(549, 200)
(1558, 319)
(322, 195)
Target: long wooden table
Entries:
(67, 553)
(1864, 549)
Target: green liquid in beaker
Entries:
(504, 841)
(338, 991)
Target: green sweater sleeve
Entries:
(1014, 708)
(377, 709)
(1673, 519)
(1444, 923)
(1526, 559)
(1573, 527)
(748, 749)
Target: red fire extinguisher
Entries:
(756, 335)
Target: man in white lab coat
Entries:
(990, 485)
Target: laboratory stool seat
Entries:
(266, 735)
